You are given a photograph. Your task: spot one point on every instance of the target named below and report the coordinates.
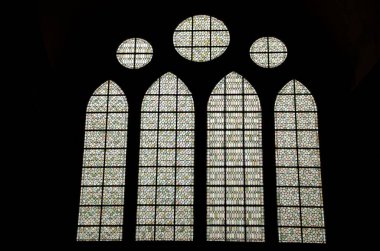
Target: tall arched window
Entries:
(166, 165)
(235, 199)
(103, 174)
(299, 186)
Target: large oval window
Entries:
(201, 38)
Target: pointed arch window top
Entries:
(167, 85)
(235, 83)
(108, 88)
(230, 92)
(108, 97)
(294, 87)
(294, 96)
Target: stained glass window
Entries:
(103, 174)
(201, 38)
(134, 53)
(166, 165)
(235, 196)
(268, 52)
(299, 185)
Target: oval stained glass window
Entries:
(134, 53)
(201, 38)
(268, 52)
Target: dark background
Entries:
(333, 49)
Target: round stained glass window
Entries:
(201, 38)
(134, 53)
(268, 52)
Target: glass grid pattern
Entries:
(134, 53)
(103, 175)
(201, 38)
(298, 172)
(268, 52)
(235, 197)
(166, 163)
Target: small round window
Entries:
(134, 53)
(268, 52)
(201, 38)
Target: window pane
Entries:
(235, 195)
(268, 52)
(134, 53)
(103, 173)
(299, 192)
(201, 38)
(166, 167)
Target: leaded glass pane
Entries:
(134, 53)
(201, 38)
(103, 172)
(235, 194)
(166, 168)
(299, 192)
(268, 52)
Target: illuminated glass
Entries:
(166, 166)
(268, 52)
(134, 53)
(235, 195)
(201, 38)
(299, 186)
(103, 173)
